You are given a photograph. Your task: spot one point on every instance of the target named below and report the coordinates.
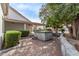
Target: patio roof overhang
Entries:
(16, 21)
(20, 21)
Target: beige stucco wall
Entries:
(16, 26)
(13, 26)
(29, 27)
(1, 14)
(1, 20)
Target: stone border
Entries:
(8, 49)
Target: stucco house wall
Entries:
(29, 27)
(1, 29)
(13, 26)
(16, 26)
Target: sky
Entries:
(29, 10)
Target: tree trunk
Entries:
(77, 37)
(77, 30)
(70, 29)
(74, 29)
(77, 27)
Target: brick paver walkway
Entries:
(33, 47)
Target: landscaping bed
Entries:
(34, 47)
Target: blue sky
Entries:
(29, 10)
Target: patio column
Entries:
(24, 26)
(1, 14)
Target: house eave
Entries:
(16, 21)
(20, 21)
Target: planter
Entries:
(43, 35)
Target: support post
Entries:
(24, 26)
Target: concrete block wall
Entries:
(67, 48)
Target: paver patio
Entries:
(33, 47)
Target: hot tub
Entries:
(43, 35)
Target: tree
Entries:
(49, 15)
(56, 15)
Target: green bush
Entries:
(11, 38)
(24, 33)
(62, 30)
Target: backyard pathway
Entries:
(33, 47)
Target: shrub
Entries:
(24, 33)
(11, 38)
(62, 30)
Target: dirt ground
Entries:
(35, 47)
